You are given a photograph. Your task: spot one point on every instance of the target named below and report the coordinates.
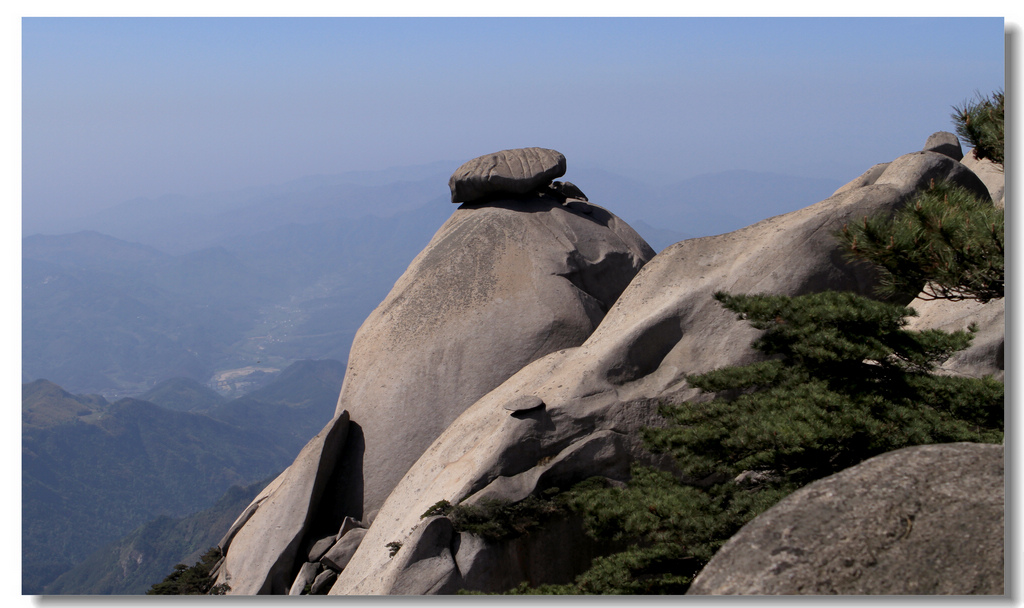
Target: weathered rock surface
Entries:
(508, 172)
(499, 286)
(339, 555)
(263, 545)
(665, 326)
(921, 520)
(946, 143)
(323, 582)
(984, 357)
(991, 174)
(320, 547)
(306, 576)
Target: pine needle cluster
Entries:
(195, 580)
(979, 124)
(843, 381)
(946, 243)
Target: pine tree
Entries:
(946, 243)
(979, 124)
(195, 580)
(843, 381)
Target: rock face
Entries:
(503, 283)
(984, 357)
(946, 143)
(991, 174)
(522, 350)
(508, 172)
(277, 520)
(921, 520)
(575, 413)
(499, 286)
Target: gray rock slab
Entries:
(320, 547)
(508, 172)
(323, 582)
(524, 403)
(427, 566)
(926, 520)
(347, 525)
(306, 575)
(339, 555)
(665, 326)
(537, 558)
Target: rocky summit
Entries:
(524, 349)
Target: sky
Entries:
(119, 108)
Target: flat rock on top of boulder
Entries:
(920, 520)
(515, 171)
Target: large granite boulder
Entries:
(921, 520)
(499, 286)
(502, 283)
(575, 413)
(509, 172)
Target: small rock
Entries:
(338, 557)
(306, 575)
(323, 582)
(347, 525)
(568, 190)
(320, 547)
(946, 143)
(524, 403)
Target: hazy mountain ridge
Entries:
(144, 557)
(92, 470)
(290, 272)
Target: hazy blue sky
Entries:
(120, 108)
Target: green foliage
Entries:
(164, 541)
(495, 519)
(946, 241)
(393, 548)
(192, 581)
(979, 124)
(844, 381)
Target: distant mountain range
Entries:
(189, 287)
(92, 470)
(131, 565)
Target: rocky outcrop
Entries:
(271, 530)
(991, 174)
(926, 520)
(523, 350)
(500, 285)
(575, 413)
(984, 356)
(503, 283)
